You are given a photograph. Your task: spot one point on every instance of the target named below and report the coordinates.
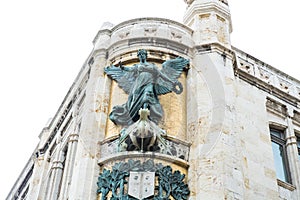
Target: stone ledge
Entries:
(214, 47)
(135, 154)
(149, 20)
(174, 139)
(109, 139)
(177, 148)
(286, 185)
(121, 47)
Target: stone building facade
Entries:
(232, 133)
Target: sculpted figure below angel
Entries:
(143, 82)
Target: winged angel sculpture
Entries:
(144, 82)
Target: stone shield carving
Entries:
(141, 184)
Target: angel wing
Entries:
(125, 79)
(172, 69)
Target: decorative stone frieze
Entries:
(155, 32)
(175, 147)
(267, 78)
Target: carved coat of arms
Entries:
(141, 184)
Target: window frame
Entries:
(282, 142)
(298, 145)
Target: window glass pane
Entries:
(298, 144)
(280, 165)
(276, 133)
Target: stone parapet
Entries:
(177, 149)
(151, 32)
(267, 77)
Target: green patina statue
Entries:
(114, 184)
(143, 82)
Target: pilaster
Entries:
(70, 159)
(37, 177)
(93, 126)
(292, 150)
(56, 173)
(41, 165)
(210, 122)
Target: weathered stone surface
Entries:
(218, 128)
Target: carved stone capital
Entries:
(73, 137)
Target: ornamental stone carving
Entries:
(120, 182)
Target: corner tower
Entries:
(210, 20)
(164, 110)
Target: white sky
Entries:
(43, 45)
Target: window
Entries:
(24, 195)
(280, 155)
(298, 145)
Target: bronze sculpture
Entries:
(143, 82)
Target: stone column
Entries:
(44, 178)
(292, 151)
(70, 157)
(37, 177)
(69, 165)
(93, 127)
(56, 175)
(40, 166)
